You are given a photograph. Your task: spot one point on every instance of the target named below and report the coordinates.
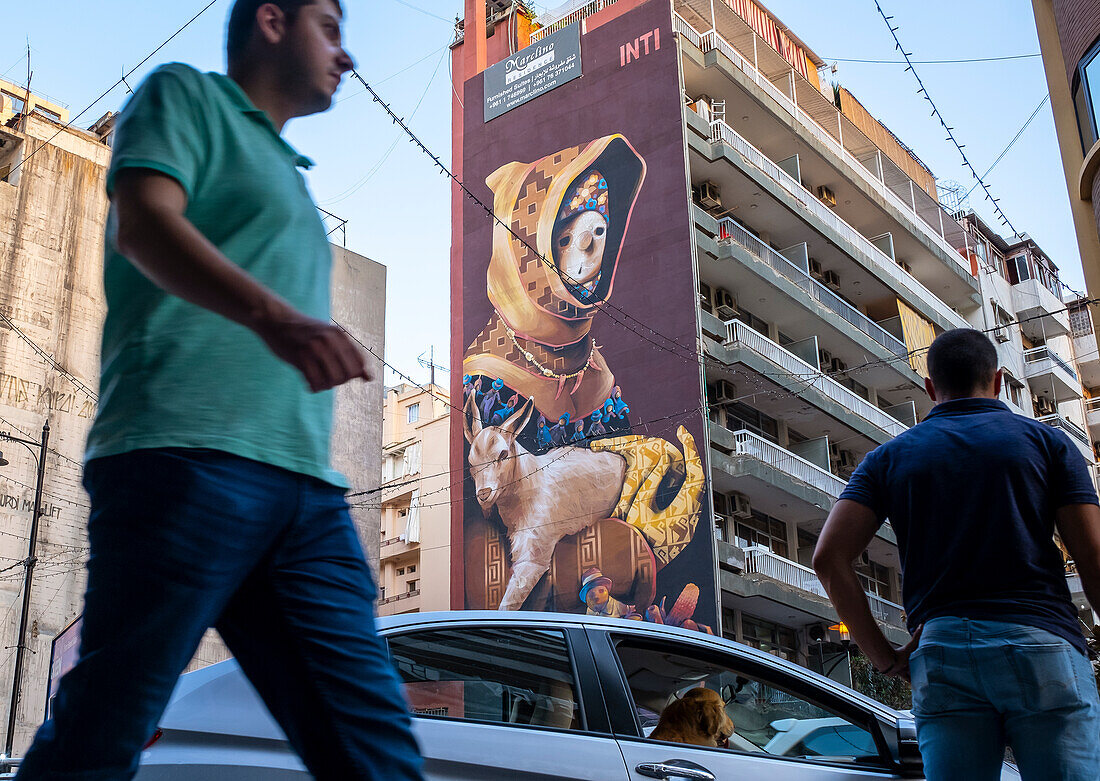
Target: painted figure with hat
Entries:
(596, 593)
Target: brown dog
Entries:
(698, 718)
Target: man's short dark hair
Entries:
(961, 361)
(242, 21)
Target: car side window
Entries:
(740, 710)
(508, 675)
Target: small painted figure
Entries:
(595, 592)
(505, 412)
(578, 437)
(491, 399)
(596, 427)
(543, 438)
(559, 436)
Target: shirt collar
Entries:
(244, 104)
(965, 406)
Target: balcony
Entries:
(861, 248)
(761, 561)
(1092, 416)
(1079, 436)
(740, 335)
(752, 446)
(1042, 314)
(551, 24)
(924, 217)
(1048, 375)
(731, 230)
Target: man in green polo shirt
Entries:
(213, 499)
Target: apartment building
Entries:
(414, 551)
(823, 265)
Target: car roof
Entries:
(641, 629)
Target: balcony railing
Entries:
(1068, 426)
(755, 446)
(399, 597)
(734, 231)
(1037, 354)
(713, 41)
(573, 16)
(761, 561)
(1093, 404)
(722, 132)
(737, 333)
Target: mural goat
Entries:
(541, 499)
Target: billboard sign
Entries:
(539, 68)
(64, 652)
(585, 453)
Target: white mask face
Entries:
(579, 245)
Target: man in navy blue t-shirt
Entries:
(975, 493)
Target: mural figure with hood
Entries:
(543, 437)
(549, 274)
(491, 399)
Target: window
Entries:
(510, 675)
(875, 579)
(412, 568)
(411, 586)
(1086, 97)
(1080, 322)
(763, 530)
(381, 592)
(400, 570)
(11, 158)
(1023, 268)
(767, 717)
(774, 639)
(742, 416)
(414, 412)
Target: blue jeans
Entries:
(182, 540)
(981, 685)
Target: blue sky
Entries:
(398, 206)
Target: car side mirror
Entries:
(909, 758)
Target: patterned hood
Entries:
(597, 183)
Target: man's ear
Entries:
(930, 388)
(271, 23)
(998, 381)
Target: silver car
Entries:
(539, 696)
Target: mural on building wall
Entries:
(585, 490)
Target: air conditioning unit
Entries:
(847, 459)
(837, 365)
(739, 506)
(824, 360)
(725, 305)
(724, 391)
(826, 196)
(1000, 333)
(1044, 406)
(865, 559)
(831, 280)
(709, 196)
(815, 269)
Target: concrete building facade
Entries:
(825, 265)
(415, 523)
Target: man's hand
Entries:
(324, 353)
(899, 667)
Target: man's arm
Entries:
(848, 531)
(1079, 528)
(163, 244)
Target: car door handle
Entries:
(674, 768)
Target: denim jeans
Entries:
(981, 685)
(182, 540)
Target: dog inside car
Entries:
(698, 718)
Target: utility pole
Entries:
(28, 574)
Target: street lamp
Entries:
(28, 573)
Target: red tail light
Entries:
(156, 736)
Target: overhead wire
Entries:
(923, 91)
(937, 62)
(1012, 143)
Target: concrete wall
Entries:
(51, 238)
